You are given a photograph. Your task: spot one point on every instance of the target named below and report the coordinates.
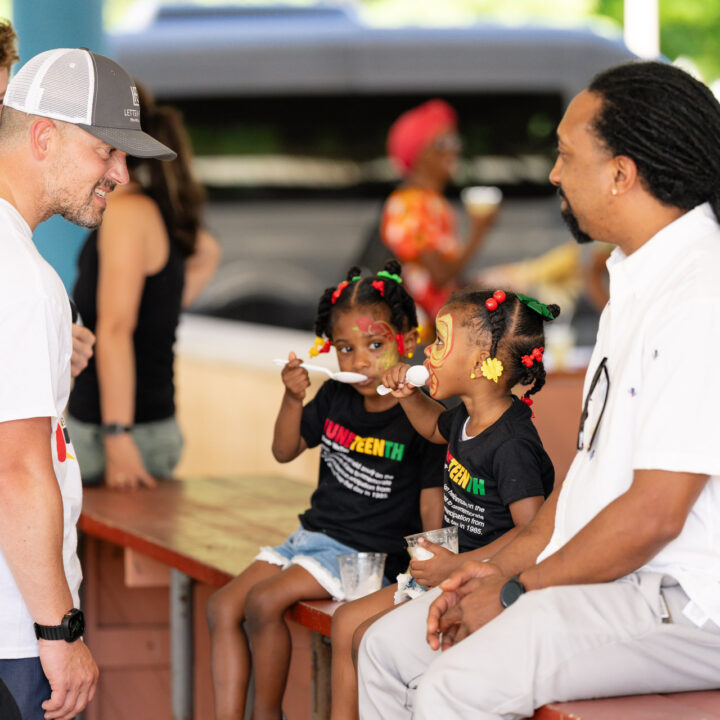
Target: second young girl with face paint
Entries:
(497, 473)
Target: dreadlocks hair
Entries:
(515, 330)
(361, 292)
(668, 123)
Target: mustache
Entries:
(106, 183)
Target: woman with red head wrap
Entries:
(419, 225)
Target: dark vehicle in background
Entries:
(288, 108)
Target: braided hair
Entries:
(515, 331)
(668, 123)
(366, 292)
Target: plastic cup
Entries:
(447, 537)
(481, 200)
(361, 573)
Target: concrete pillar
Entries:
(43, 25)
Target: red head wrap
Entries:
(415, 129)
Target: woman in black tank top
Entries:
(148, 260)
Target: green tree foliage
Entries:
(690, 28)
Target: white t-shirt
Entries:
(660, 333)
(35, 350)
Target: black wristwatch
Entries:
(511, 591)
(70, 630)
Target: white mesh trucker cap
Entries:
(88, 90)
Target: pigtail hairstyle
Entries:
(170, 184)
(356, 291)
(668, 123)
(516, 330)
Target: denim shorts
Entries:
(314, 551)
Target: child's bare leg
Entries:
(270, 635)
(345, 621)
(362, 628)
(229, 651)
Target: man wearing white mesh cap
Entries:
(70, 119)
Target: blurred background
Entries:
(288, 106)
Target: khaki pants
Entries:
(558, 644)
(160, 445)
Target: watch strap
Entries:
(49, 632)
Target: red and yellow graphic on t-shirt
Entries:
(62, 439)
(461, 476)
(367, 445)
(440, 349)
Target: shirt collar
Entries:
(663, 251)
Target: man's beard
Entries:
(85, 214)
(571, 221)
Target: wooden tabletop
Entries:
(209, 528)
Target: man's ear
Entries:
(625, 174)
(42, 133)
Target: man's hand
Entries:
(72, 674)
(455, 589)
(124, 468)
(82, 349)
(434, 570)
(478, 603)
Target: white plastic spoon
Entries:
(342, 376)
(417, 375)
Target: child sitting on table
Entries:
(378, 478)
(497, 473)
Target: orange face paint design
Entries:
(440, 349)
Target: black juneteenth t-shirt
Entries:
(485, 474)
(372, 469)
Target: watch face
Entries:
(75, 624)
(510, 592)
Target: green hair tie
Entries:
(536, 305)
(355, 278)
(390, 276)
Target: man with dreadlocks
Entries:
(614, 588)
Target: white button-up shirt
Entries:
(660, 333)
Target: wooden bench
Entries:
(317, 616)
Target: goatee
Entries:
(580, 236)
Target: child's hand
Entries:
(394, 378)
(433, 571)
(295, 378)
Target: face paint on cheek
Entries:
(439, 352)
(389, 357)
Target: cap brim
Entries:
(135, 143)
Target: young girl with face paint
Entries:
(378, 481)
(497, 473)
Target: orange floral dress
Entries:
(416, 221)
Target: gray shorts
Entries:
(160, 445)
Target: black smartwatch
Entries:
(71, 628)
(511, 591)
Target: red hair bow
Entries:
(379, 285)
(338, 292)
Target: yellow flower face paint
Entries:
(440, 349)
